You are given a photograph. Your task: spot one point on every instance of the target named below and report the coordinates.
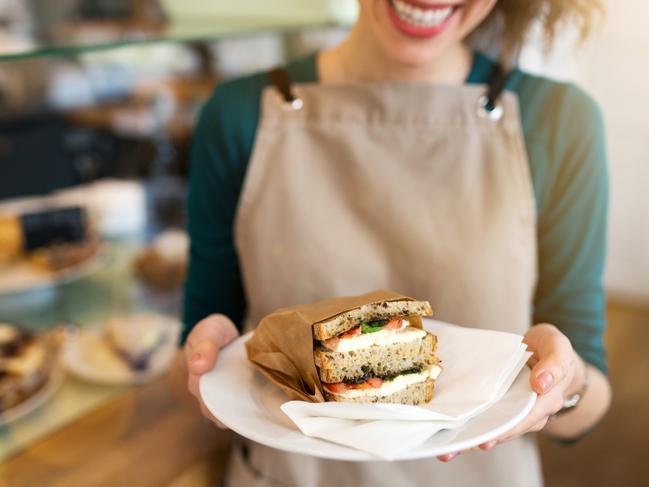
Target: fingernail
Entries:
(490, 444)
(196, 357)
(545, 380)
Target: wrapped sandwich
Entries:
(369, 348)
(373, 354)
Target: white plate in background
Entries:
(89, 357)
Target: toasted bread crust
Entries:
(386, 309)
(377, 360)
(414, 394)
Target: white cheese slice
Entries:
(395, 385)
(380, 338)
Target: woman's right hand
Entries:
(201, 351)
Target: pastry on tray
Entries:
(26, 363)
(163, 264)
(58, 257)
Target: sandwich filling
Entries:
(377, 386)
(378, 332)
(377, 352)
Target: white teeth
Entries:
(429, 17)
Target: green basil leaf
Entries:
(415, 370)
(373, 326)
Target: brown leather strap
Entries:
(281, 80)
(499, 77)
(497, 83)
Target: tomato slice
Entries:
(374, 383)
(341, 387)
(351, 333)
(337, 388)
(394, 324)
(333, 342)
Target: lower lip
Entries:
(416, 30)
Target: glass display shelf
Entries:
(110, 290)
(90, 37)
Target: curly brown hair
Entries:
(516, 17)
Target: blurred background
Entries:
(98, 101)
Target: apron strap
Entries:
(499, 78)
(282, 82)
(488, 106)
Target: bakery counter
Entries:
(68, 412)
(71, 400)
(150, 434)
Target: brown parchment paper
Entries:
(282, 344)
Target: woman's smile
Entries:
(420, 19)
(421, 35)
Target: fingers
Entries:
(218, 328)
(552, 364)
(529, 427)
(448, 457)
(517, 431)
(554, 357)
(488, 445)
(201, 351)
(537, 418)
(539, 425)
(205, 340)
(192, 385)
(524, 427)
(202, 357)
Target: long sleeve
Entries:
(220, 152)
(572, 225)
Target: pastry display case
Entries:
(98, 102)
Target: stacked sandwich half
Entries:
(377, 353)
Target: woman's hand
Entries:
(201, 351)
(557, 373)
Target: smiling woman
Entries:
(453, 177)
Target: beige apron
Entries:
(410, 187)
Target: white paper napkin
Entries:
(479, 367)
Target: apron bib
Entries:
(410, 187)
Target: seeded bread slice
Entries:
(414, 394)
(378, 360)
(376, 311)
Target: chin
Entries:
(414, 56)
(417, 32)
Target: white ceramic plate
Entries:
(88, 357)
(22, 277)
(37, 400)
(242, 399)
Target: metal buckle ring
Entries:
(495, 114)
(293, 105)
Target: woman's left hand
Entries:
(557, 372)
